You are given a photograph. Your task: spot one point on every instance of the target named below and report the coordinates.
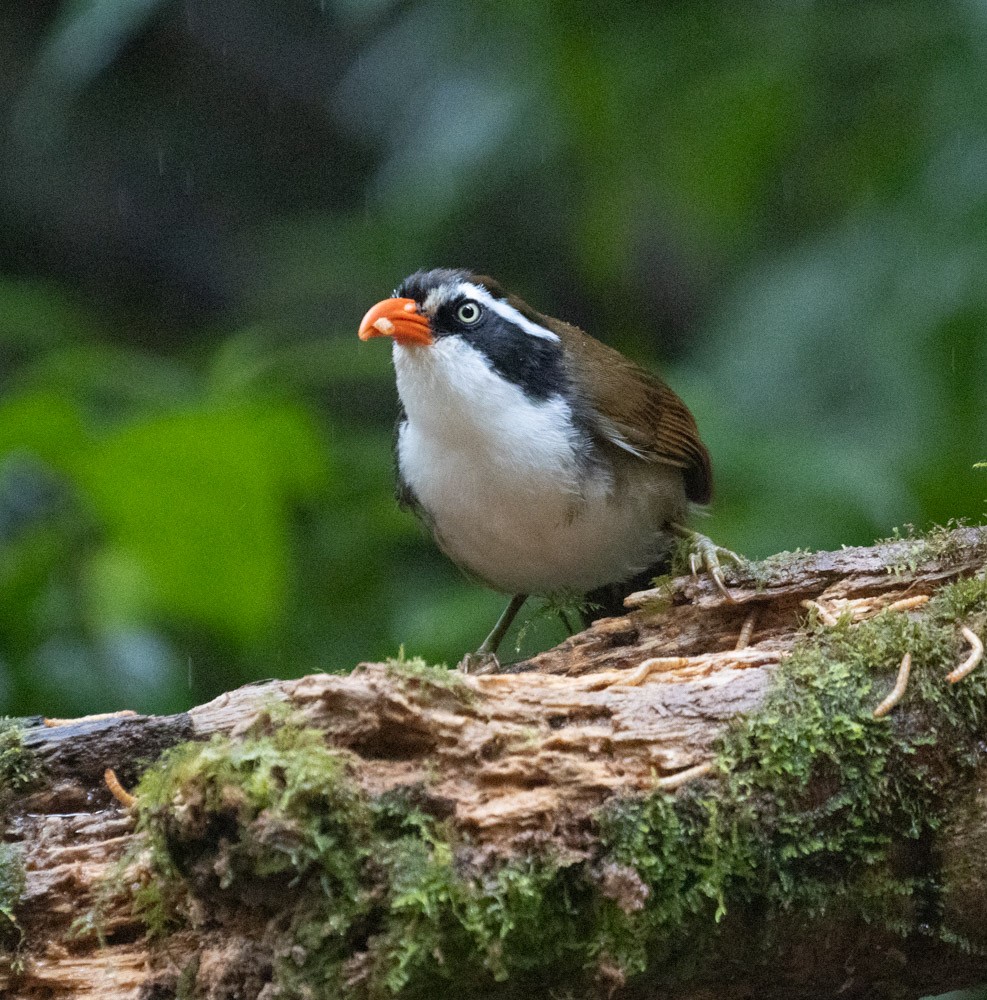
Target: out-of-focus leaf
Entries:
(201, 500)
(112, 376)
(30, 493)
(45, 424)
(34, 314)
(119, 589)
(83, 42)
(30, 569)
(844, 379)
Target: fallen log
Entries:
(696, 799)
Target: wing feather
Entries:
(635, 411)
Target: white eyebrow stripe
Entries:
(437, 296)
(508, 312)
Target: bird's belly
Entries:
(538, 530)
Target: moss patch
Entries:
(19, 771)
(815, 797)
(664, 597)
(812, 814)
(377, 898)
(18, 768)
(775, 569)
(416, 672)
(11, 889)
(914, 548)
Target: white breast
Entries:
(502, 479)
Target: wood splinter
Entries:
(101, 717)
(669, 664)
(117, 790)
(898, 691)
(825, 616)
(637, 677)
(976, 655)
(677, 780)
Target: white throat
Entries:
(452, 396)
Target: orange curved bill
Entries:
(397, 318)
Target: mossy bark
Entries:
(643, 811)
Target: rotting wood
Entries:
(690, 616)
(520, 758)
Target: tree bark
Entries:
(516, 762)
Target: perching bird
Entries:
(543, 461)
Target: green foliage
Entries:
(197, 500)
(780, 208)
(191, 503)
(172, 509)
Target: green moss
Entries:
(369, 896)
(19, 771)
(679, 562)
(913, 548)
(379, 898)
(762, 573)
(185, 984)
(261, 789)
(814, 796)
(418, 673)
(963, 879)
(443, 925)
(664, 587)
(18, 767)
(11, 889)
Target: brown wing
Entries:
(632, 409)
(637, 412)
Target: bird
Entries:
(543, 461)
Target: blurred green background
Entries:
(781, 206)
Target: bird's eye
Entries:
(468, 312)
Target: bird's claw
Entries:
(705, 556)
(479, 663)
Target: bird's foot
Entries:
(479, 663)
(484, 660)
(706, 555)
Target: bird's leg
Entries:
(705, 553)
(484, 660)
(491, 644)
